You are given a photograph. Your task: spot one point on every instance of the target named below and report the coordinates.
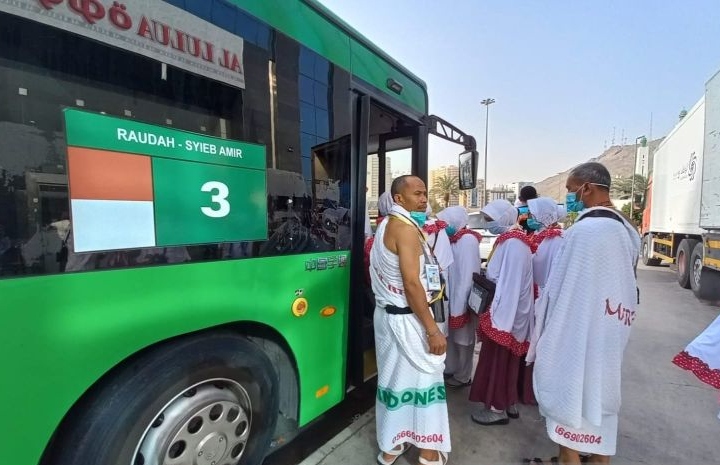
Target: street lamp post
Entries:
(643, 141)
(487, 102)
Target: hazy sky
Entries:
(564, 73)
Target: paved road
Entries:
(668, 417)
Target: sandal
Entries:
(539, 461)
(554, 460)
(396, 453)
(442, 459)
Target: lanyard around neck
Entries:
(430, 257)
(412, 223)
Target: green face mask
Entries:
(419, 217)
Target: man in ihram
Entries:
(411, 406)
(589, 303)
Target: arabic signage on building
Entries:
(154, 29)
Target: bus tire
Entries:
(213, 396)
(683, 263)
(704, 281)
(647, 252)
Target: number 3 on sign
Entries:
(220, 193)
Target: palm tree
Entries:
(446, 187)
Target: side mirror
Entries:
(467, 164)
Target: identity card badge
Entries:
(433, 277)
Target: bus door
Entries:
(389, 145)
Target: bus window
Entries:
(331, 194)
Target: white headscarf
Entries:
(385, 203)
(545, 210)
(502, 213)
(456, 217)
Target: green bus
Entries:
(182, 221)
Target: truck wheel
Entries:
(647, 252)
(705, 282)
(210, 399)
(682, 260)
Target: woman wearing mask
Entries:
(544, 219)
(544, 215)
(465, 245)
(505, 327)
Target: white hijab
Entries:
(545, 210)
(456, 217)
(385, 203)
(502, 213)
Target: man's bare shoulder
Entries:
(400, 235)
(397, 225)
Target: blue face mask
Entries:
(533, 224)
(419, 217)
(450, 230)
(572, 204)
(494, 228)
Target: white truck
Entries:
(681, 222)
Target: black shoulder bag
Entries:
(482, 293)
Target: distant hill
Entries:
(618, 159)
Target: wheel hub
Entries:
(212, 447)
(697, 271)
(207, 424)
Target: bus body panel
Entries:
(64, 332)
(114, 314)
(339, 43)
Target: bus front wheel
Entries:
(204, 399)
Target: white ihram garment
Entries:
(590, 301)
(411, 402)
